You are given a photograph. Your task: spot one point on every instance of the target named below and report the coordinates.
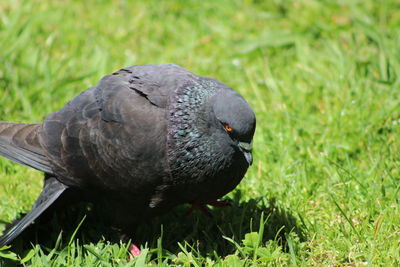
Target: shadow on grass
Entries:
(203, 233)
(206, 233)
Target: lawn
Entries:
(323, 78)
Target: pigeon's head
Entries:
(236, 120)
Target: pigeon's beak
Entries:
(246, 148)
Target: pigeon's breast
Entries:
(201, 166)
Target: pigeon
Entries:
(145, 139)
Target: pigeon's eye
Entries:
(228, 128)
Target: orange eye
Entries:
(228, 128)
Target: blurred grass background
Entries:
(322, 76)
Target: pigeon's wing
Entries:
(113, 136)
(20, 143)
(51, 191)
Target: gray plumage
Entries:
(145, 139)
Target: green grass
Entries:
(322, 76)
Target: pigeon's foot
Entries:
(205, 210)
(134, 250)
(200, 207)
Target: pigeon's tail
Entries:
(51, 191)
(20, 143)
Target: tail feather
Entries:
(20, 143)
(51, 191)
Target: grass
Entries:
(323, 78)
